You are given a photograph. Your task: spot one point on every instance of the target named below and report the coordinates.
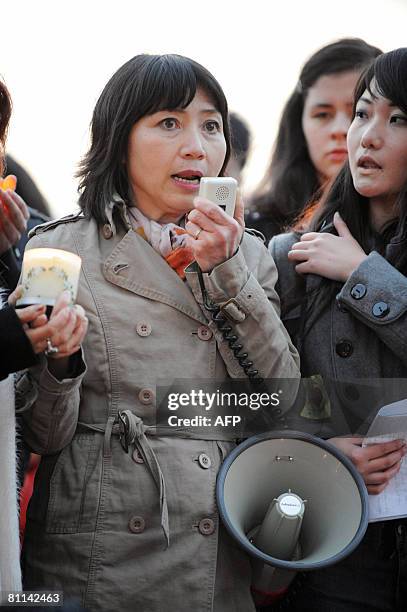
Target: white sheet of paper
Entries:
(390, 424)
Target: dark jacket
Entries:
(15, 348)
(26, 187)
(357, 344)
(268, 225)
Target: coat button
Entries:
(358, 291)
(204, 461)
(137, 458)
(137, 524)
(146, 396)
(206, 526)
(143, 329)
(107, 231)
(204, 333)
(381, 309)
(344, 348)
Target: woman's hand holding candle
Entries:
(65, 337)
(35, 323)
(65, 329)
(33, 320)
(68, 326)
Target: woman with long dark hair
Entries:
(343, 291)
(311, 142)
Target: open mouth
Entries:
(368, 164)
(192, 179)
(188, 176)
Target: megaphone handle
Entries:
(270, 583)
(264, 598)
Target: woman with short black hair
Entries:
(141, 530)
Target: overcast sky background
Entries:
(57, 56)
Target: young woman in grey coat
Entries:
(123, 513)
(352, 324)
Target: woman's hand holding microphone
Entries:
(214, 236)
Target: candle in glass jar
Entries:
(46, 274)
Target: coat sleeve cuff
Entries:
(230, 280)
(53, 386)
(375, 291)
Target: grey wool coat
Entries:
(98, 517)
(357, 344)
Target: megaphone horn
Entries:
(293, 502)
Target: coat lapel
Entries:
(134, 265)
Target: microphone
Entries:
(278, 534)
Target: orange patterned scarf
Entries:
(168, 239)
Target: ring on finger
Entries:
(51, 349)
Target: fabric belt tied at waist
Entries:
(131, 430)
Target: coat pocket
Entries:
(74, 487)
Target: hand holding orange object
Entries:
(13, 214)
(10, 182)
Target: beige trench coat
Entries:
(94, 527)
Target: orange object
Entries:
(10, 182)
(179, 259)
(26, 491)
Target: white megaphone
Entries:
(293, 502)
